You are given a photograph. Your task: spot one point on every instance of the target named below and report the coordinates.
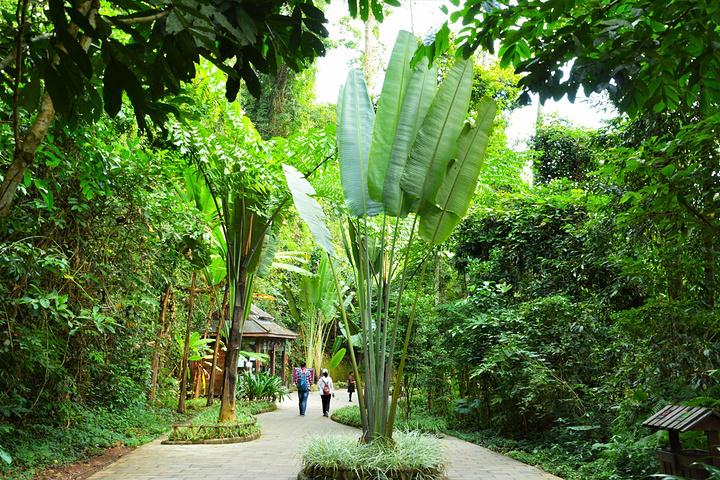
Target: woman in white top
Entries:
(326, 387)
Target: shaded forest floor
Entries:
(83, 469)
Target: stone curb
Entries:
(213, 441)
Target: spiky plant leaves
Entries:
(308, 208)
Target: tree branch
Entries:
(136, 20)
(18, 72)
(26, 147)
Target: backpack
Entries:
(326, 389)
(302, 385)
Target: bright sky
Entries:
(426, 14)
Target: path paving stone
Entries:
(274, 455)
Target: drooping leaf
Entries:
(458, 188)
(30, 94)
(337, 358)
(308, 208)
(76, 53)
(436, 142)
(112, 88)
(397, 78)
(58, 90)
(354, 135)
(272, 239)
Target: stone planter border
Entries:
(211, 441)
(349, 474)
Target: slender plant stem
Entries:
(358, 381)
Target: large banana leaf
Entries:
(458, 187)
(253, 229)
(270, 244)
(327, 302)
(436, 142)
(418, 97)
(354, 135)
(198, 190)
(308, 208)
(397, 78)
(309, 292)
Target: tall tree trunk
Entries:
(232, 354)
(370, 62)
(158, 343)
(27, 144)
(186, 351)
(438, 271)
(25, 151)
(709, 290)
(218, 332)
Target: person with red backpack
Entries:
(303, 378)
(326, 387)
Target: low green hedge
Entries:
(350, 415)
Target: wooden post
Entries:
(674, 441)
(186, 352)
(284, 362)
(272, 358)
(714, 446)
(158, 343)
(258, 363)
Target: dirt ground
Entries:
(85, 468)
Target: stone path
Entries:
(274, 455)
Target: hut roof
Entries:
(261, 324)
(684, 419)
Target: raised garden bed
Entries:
(186, 434)
(414, 456)
(319, 473)
(204, 428)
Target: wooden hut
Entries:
(677, 419)
(261, 335)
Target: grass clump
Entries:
(349, 415)
(413, 456)
(256, 407)
(204, 426)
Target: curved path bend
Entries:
(274, 455)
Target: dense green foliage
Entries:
(560, 314)
(90, 433)
(582, 318)
(648, 54)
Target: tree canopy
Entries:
(646, 54)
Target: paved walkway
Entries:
(274, 455)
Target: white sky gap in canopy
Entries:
(426, 14)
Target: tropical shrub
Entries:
(262, 386)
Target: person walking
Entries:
(351, 385)
(303, 378)
(325, 385)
